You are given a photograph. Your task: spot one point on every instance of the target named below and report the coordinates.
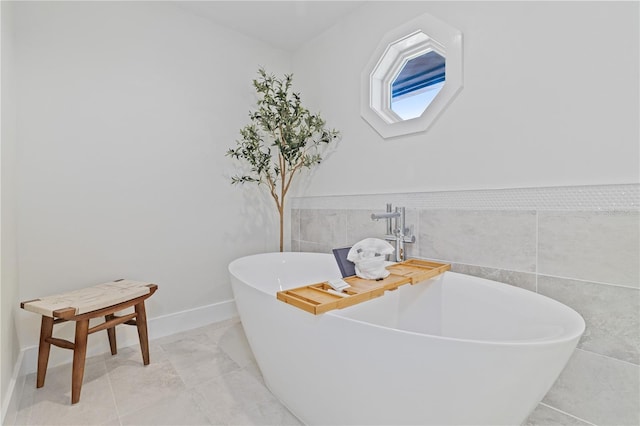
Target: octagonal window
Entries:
(417, 84)
(413, 75)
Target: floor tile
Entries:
(137, 386)
(51, 404)
(253, 369)
(233, 342)
(238, 398)
(174, 410)
(197, 360)
(207, 375)
(598, 389)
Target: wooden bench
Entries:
(102, 300)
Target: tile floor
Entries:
(205, 376)
(199, 377)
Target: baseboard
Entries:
(158, 327)
(187, 320)
(14, 390)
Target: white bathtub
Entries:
(453, 350)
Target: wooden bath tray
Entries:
(317, 299)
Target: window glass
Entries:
(417, 84)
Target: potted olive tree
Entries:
(282, 139)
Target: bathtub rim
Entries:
(580, 327)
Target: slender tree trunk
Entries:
(281, 211)
(283, 193)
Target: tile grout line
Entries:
(608, 357)
(113, 394)
(567, 414)
(587, 281)
(537, 246)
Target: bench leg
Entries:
(141, 323)
(46, 330)
(111, 332)
(79, 355)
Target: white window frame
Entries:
(412, 39)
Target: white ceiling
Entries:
(284, 24)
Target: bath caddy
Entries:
(318, 299)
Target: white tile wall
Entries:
(594, 246)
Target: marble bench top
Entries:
(89, 299)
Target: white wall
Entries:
(550, 98)
(125, 112)
(9, 345)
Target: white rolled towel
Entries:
(369, 256)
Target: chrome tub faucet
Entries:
(396, 231)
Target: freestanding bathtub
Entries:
(453, 350)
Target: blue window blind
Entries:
(418, 73)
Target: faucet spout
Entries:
(377, 216)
